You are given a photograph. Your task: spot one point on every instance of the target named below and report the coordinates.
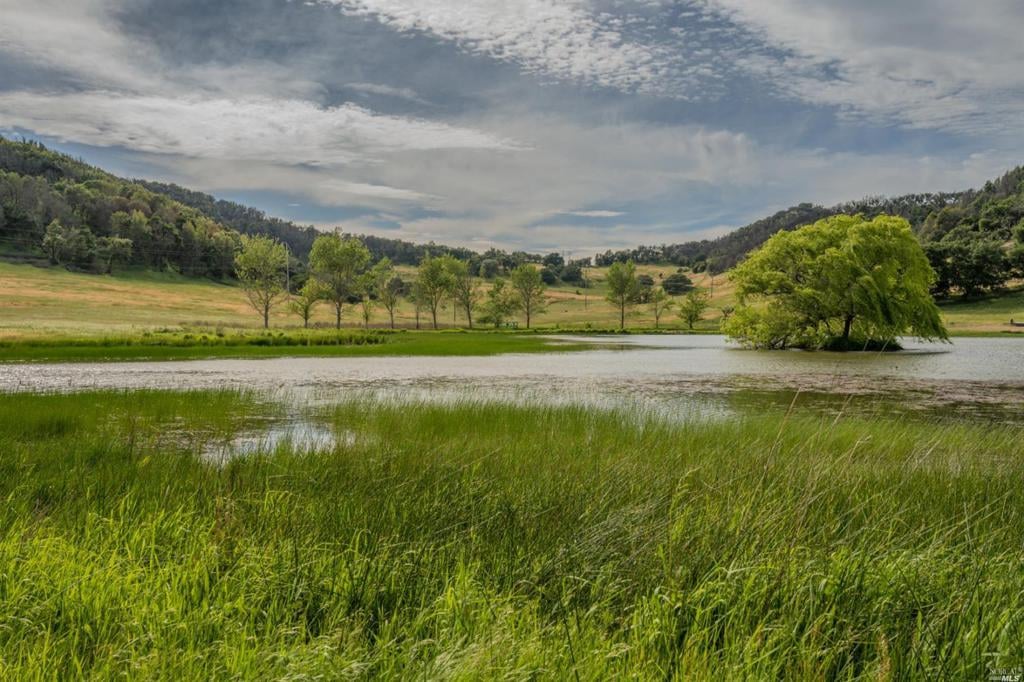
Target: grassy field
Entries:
(41, 302)
(985, 315)
(481, 541)
(171, 345)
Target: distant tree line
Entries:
(490, 264)
(342, 273)
(299, 239)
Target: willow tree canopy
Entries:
(843, 283)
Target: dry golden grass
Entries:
(39, 301)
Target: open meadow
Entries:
(41, 299)
(52, 303)
(477, 540)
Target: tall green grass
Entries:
(210, 338)
(211, 343)
(479, 540)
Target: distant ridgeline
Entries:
(967, 235)
(299, 239)
(57, 207)
(248, 220)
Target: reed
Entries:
(213, 343)
(480, 540)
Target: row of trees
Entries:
(341, 273)
(446, 278)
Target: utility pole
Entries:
(288, 270)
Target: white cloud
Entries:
(565, 165)
(77, 38)
(504, 173)
(514, 201)
(558, 38)
(930, 64)
(362, 190)
(324, 187)
(264, 129)
(594, 214)
(407, 94)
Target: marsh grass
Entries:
(475, 540)
(212, 343)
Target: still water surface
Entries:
(971, 378)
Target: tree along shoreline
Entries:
(842, 283)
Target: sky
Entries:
(545, 125)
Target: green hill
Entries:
(87, 219)
(971, 217)
(61, 209)
(248, 220)
(96, 221)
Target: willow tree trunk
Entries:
(847, 327)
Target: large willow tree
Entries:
(842, 283)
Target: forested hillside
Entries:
(726, 251)
(977, 244)
(84, 218)
(76, 215)
(248, 220)
(968, 235)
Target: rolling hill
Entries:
(98, 220)
(56, 207)
(988, 214)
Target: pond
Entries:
(971, 378)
